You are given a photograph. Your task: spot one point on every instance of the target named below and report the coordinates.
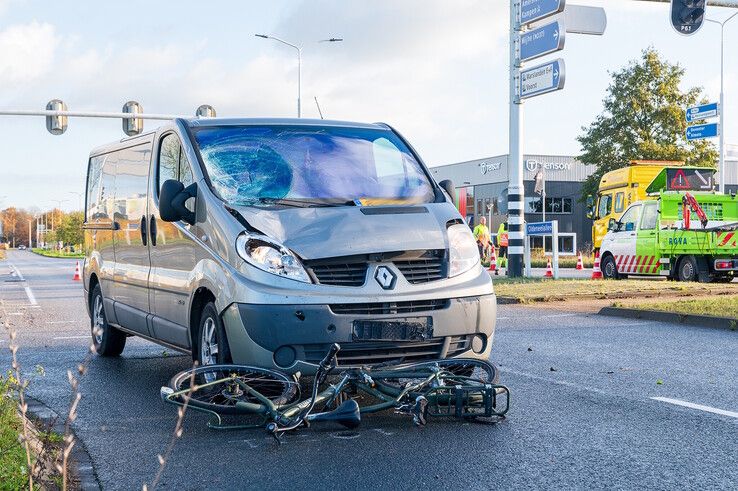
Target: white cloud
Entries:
(27, 52)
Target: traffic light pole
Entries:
(515, 190)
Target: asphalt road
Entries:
(583, 411)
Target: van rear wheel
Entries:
(688, 269)
(108, 341)
(212, 345)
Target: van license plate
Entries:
(403, 329)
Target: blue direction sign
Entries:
(539, 228)
(533, 10)
(541, 79)
(701, 131)
(705, 111)
(542, 41)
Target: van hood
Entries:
(317, 233)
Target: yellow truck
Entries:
(622, 187)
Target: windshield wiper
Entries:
(299, 203)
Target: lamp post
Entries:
(721, 166)
(299, 64)
(79, 197)
(59, 202)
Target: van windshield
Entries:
(311, 165)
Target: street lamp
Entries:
(59, 202)
(721, 168)
(299, 63)
(79, 196)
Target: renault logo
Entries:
(385, 277)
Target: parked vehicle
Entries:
(642, 179)
(263, 242)
(680, 236)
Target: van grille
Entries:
(416, 266)
(347, 274)
(389, 307)
(374, 352)
(421, 270)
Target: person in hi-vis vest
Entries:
(502, 239)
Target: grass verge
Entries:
(13, 463)
(529, 290)
(720, 306)
(61, 254)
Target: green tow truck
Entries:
(683, 236)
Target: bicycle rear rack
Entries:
(468, 401)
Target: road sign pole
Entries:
(515, 192)
(721, 165)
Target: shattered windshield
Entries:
(311, 164)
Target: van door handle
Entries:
(152, 230)
(143, 229)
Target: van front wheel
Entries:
(108, 341)
(609, 268)
(212, 345)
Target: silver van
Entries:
(264, 241)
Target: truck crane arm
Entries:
(690, 204)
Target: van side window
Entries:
(168, 159)
(173, 163)
(630, 218)
(619, 202)
(605, 205)
(650, 217)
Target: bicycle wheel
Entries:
(463, 370)
(217, 388)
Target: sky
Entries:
(436, 70)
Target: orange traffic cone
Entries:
(549, 270)
(596, 271)
(493, 262)
(580, 263)
(77, 276)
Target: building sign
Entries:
(486, 167)
(533, 165)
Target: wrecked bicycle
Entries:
(459, 388)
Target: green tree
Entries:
(69, 230)
(643, 119)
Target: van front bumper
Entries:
(295, 338)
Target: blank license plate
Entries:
(403, 329)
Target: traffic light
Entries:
(56, 124)
(687, 16)
(132, 126)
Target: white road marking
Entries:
(699, 407)
(61, 322)
(71, 337)
(29, 293)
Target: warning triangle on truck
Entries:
(680, 180)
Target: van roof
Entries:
(210, 122)
(204, 122)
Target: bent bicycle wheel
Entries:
(464, 370)
(222, 388)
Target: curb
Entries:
(56, 257)
(597, 296)
(687, 319)
(81, 462)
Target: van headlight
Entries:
(463, 251)
(270, 256)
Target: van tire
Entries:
(108, 340)
(211, 334)
(687, 269)
(609, 268)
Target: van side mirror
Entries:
(448, 186)
(172, 198)
(612, 225)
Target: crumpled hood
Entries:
(315, 233)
